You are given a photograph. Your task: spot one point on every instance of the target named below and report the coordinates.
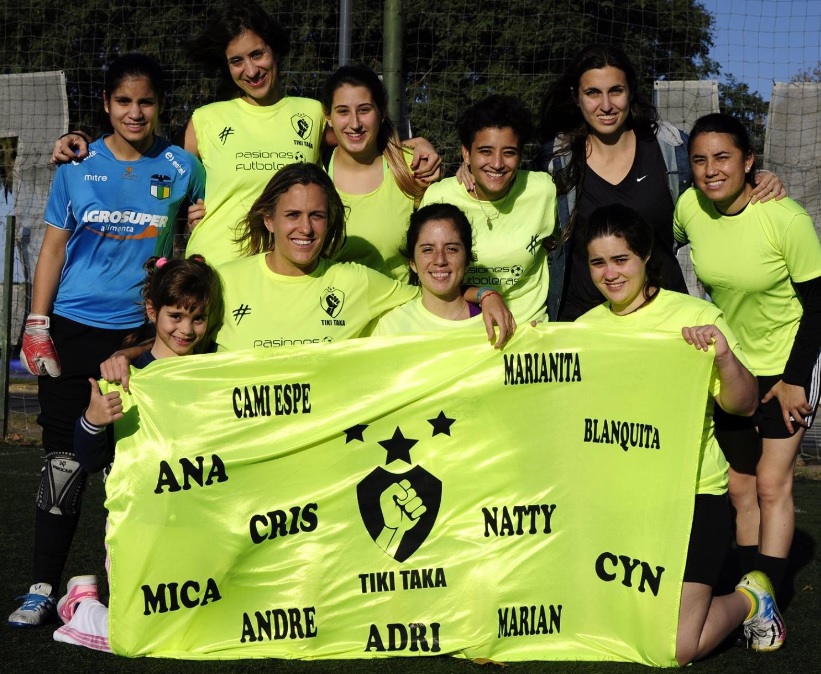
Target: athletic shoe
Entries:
(79, 589)
(38, 607)
(764, 627)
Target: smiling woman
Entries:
(512, 211)
(604, 144)
(133, 110)
(244, 140)
(299, 225)
(287, 290)
(439, 247)
(254, 68)
(761, 264)
(623, 266)
(106, 215)
(371, 170)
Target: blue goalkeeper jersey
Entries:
(119, 214)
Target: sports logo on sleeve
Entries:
(160, 186)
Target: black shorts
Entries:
(710, 538)
(768, 418)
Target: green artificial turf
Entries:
(35, 651)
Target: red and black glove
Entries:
(38, 354)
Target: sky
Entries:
(761, 41)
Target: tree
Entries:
(456, 51)
(813, 75)
(736, 99)
(457, 54)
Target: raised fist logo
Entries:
(302, 124)
(401, 510)
(331, 301)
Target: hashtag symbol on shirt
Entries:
(227, 131)
(241, 312)
(533, 245)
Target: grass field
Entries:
(35, 651)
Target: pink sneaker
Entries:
(79, 589)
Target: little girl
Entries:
(179, 297)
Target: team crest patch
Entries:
(160, 186)
(303, 125)
(399, 509)
(331, 301)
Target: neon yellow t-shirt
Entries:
(508, 239)
(747, 262)
(672, 311)
(335, 302)
(413, 318)
(377, 224)
(242, 146)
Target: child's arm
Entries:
(91, 442)
(116, 368)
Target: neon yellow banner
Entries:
(409, 497)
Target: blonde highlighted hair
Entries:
(254, 236)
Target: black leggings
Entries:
(81, 349)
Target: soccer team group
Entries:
(282, 251)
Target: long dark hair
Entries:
(625, 223)
(228, 21)
(562, 118)
(387, 140)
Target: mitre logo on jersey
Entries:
(331, 301)
(160, 186)
(399, 509)
(303, 125)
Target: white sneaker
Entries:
(39, 607)
(764, 630)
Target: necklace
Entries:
(463, 311)
(460, 314)
(489, 218)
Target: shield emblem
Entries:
(160, 186)
(302, 125)
(331, 301)
(376, 495)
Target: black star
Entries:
(355, 433)
(441, 424)
(398, 447)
